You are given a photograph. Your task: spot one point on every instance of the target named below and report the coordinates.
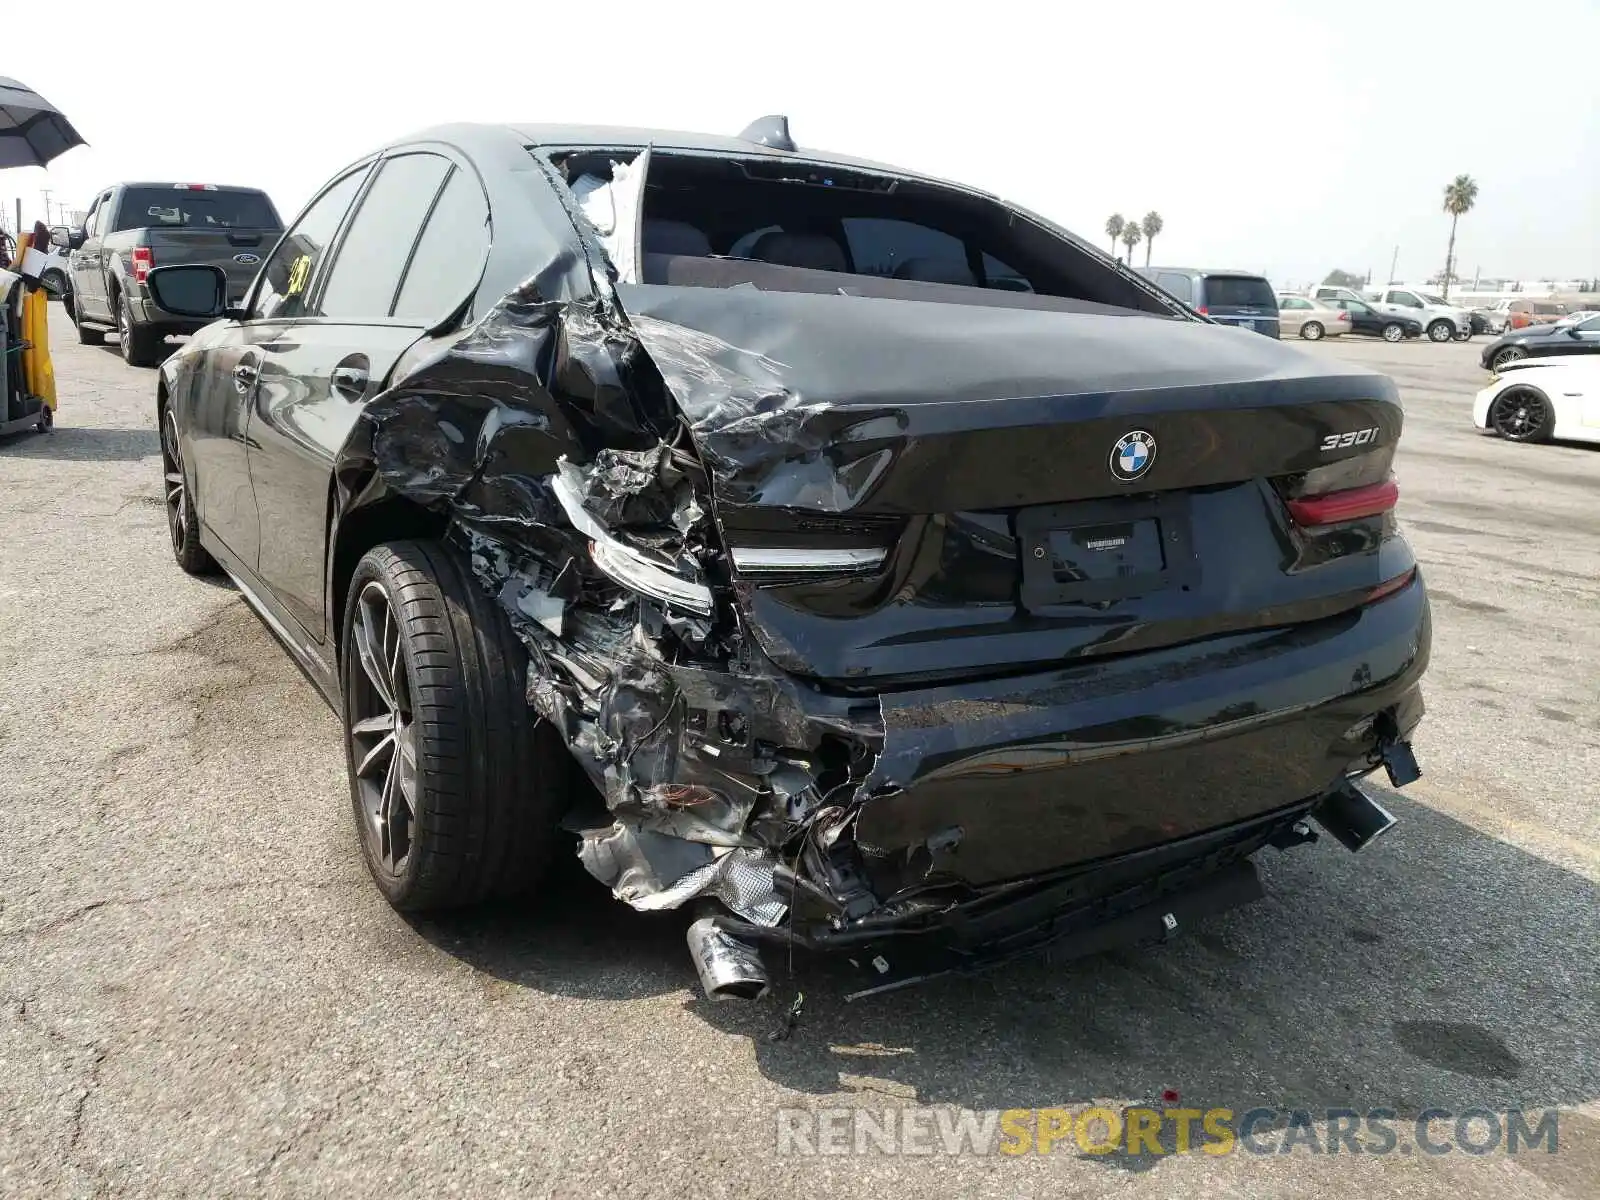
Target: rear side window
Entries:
(285, 279)
(1238, 291)
(190, 208)
(903, 249)
(448, 260)
(374, 253)
(1293, 303)
(1180, 286)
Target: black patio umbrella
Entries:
(32, 132)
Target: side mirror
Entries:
(1574, 332)
(189, 291)
(76, 237)
(61, 237)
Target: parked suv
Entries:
(132, 227)
(920, 583)
(1235, 298)
(1441, 321)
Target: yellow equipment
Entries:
(27, 379)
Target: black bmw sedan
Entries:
(903, 575)
(1577, 334)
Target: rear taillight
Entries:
(1391, 586)
(1203, 310)
(143, 260)
(1351, 504)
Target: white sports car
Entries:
(1536, 399)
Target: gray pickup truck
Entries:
(132, 227)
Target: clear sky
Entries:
(1284, 137)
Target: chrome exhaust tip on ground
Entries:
(729, 969)
(1353, 817)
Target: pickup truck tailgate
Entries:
(239, 252)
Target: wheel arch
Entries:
(389, 518)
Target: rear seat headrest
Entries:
(674, 237)
(814, 250)
(936, 270)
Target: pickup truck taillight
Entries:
(143, 260)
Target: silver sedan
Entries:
(1311, 319)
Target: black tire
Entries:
(1393, 333)
(86, 337)
(57, 284)
(1312, 331)
(182, 525)
(1509, 354)
(487, 778)
(1440, 331)
(140, 347)
(1464, 335)
(1522, 414)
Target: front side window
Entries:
(92, 221)
(1406, 299)
(373, 254)
(286, 279)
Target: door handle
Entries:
(244, 378)
(350, 378)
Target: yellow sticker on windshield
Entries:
(298, 275)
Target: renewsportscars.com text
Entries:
(1140, 1130)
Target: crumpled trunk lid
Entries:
(985, 453)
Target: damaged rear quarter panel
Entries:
(707, 757)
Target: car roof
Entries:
(182, 183)
(470, 136)
(1207, 271)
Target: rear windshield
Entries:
(225, 208)
(785, 225)
(1239, 291)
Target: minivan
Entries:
(1228, 297)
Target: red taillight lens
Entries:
(1203, 310)
(143, 260)
(1390, 587)
(1331, 508)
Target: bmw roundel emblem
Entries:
(1132, 455)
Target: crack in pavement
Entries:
(56, 924)
(314, 1124)
(91, 1076)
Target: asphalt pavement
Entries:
(201, 992)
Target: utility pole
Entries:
(45, 192)
(1394, 261)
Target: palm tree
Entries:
(1152, 226)
(1114, 227)
(1459, 197)
(1131, 233)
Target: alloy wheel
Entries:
(1311, 331)
(1393, 333)
(383, 735)
(175, 487)
(1519, 414)
(1509, 355)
